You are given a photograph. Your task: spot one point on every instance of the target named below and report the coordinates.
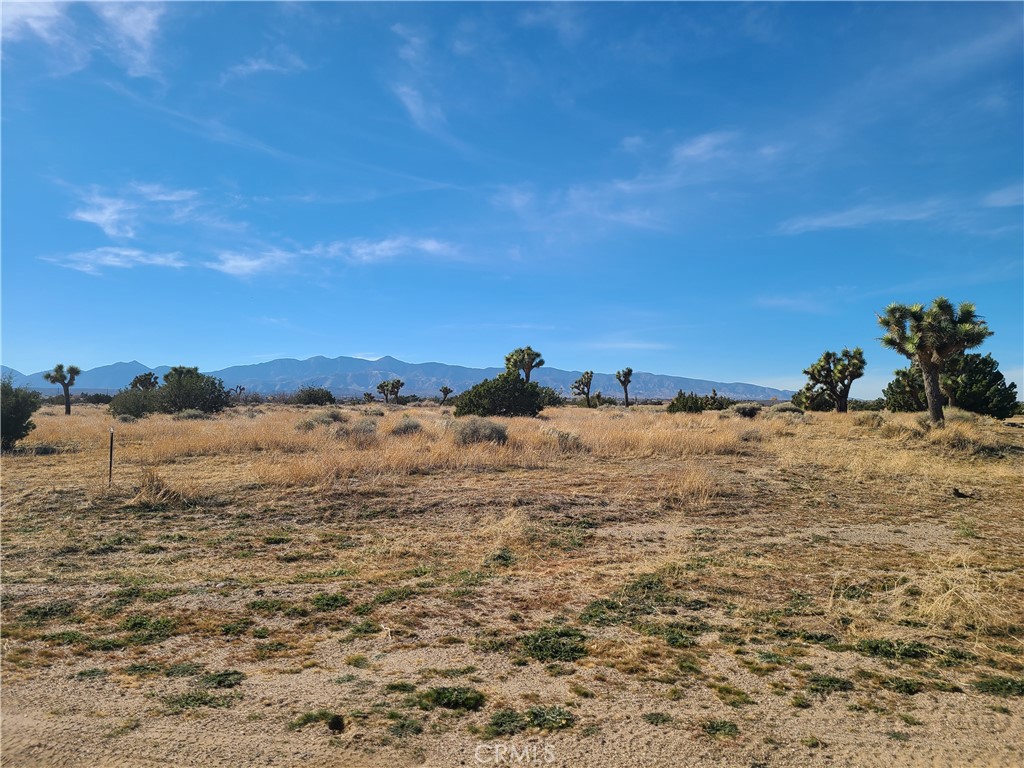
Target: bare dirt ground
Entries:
(288, 586)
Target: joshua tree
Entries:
(832, 376)
(930, 337)
(385, 389)
(523, 359)
(445, 391)
(625, 376)
(394, 387)
(145, 382)
(66, 378)
(581, 386)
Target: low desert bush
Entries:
(474, 429)
(747, 410)
(191, 414)
(407, 426)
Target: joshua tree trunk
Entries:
(625, 393)
(843, 400)
(67, 399)
(932, 393)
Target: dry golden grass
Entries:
(781, 537)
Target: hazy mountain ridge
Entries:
(351, 376)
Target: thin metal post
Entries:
(110, 475)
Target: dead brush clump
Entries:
(953, 592)
(567, 442)
(154, 491)
(965, 437)
(904, 427)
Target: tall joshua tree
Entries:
(930, 337)
(385, 389)
(832, 376)
(581, 386)
(66, 378)
(625, 376)
(445, 391)
(523, 359)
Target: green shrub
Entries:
(136, 403)
(506, 722)
(312, 396)
(17, 405)
(187, 389)
(555, 644)
(550, 718)
(477, 430)
(1000, 686)
(191, 414)
(322, 419)
(785, 408)
(504, 395)
(467, 699)
(747, 410)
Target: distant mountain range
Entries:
(351, 376)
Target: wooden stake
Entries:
(110, 475)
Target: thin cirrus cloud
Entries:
(355, 251)
(427, 116)
(861, 216)
(94, 261)
(1008, 197)
(281, 61)
(128, 33)
(247, 264)
(132, 32)
(364, 251)
(121, 214)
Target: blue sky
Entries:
(720, 191)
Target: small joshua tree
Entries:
(625, 376)
(930, 337)
(445, 391)
(831, 376)
(523, 359)
(145, 382)
(385, 389)
(66, 378)
(394, 387)
(581, 386)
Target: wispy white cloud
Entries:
(414, 49)
(648, 199)
(128, 34)
(428, 116)
(862, 216)
(364, 251)
(121, 213)
(209, 128)
(161, 194)
(94, 261)
(1007, 197)
(42, 20)
(248, 263)
(562, 18)
(133, 31)
(805, 303)
(115, 216)
(626, 344)
(281, 60)
(703, 148)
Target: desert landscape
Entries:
(363, 585)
